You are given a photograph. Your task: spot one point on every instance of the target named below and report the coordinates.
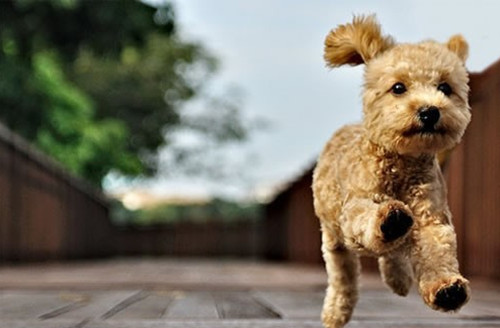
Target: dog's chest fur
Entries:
(403, 177)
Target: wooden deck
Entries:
(156, 293)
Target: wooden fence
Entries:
(292, 229)
(238, 239)
(473, 177)
(44, 212)
(47, 214)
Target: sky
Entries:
(271, 50)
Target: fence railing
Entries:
(46, 213)
(238, 239)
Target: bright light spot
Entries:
(132, 201)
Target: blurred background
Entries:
(190, 128)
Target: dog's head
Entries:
(415, 95)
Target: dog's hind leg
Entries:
(342, 267)
(397, 272)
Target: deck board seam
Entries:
(125, 304)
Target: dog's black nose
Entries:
(429, 115)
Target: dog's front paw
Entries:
(451, 298)
(397, 223)
(447, 295)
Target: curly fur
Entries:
(355, 43)
(388, 164)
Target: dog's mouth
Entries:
(424, 130)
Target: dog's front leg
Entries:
(374, 227)
(434, 258)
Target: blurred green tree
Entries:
(97, 84)
(70, 134)
(215, 210)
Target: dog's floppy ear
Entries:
(355, 43)
(459, 46)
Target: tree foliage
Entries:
(145, 88)
(70, 134)
(99, 84)
(106, 27)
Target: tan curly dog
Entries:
(378, 189)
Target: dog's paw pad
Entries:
(451, 298)
(396, 224)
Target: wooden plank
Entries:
(377, 304)
(30, 305)
(153, 306)
(98, 304)
(295, 323)
(380, 304)
(405, 322)
(293, 304)
(483, 303)
(384, 304)
(127, 302)
(192, 305)
(241, 305)
(270, 323)
(61, 310)
(42, 324)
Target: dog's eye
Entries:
(445, 88)
(398, 88)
